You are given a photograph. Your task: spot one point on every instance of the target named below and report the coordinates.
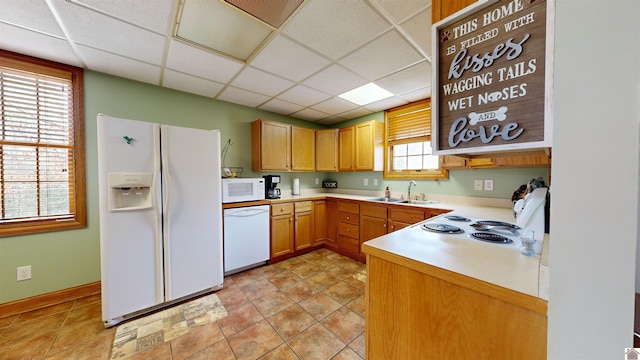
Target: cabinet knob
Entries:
(348, 230)
(348, 218)
(385, 225)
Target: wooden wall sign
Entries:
(492, 77)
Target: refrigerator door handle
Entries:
(166, 199)
(157, 206)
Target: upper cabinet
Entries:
(281, 147)
(360, 147)
(327, 150)
(303, 149)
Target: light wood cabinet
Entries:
(373, 221)
(281, 147)
(327, 150)
(401, 217)
(349, 228)
(282, 229)
(303, 220)
(319, 221)
(270, 146)
(434, 313)
(331, 223)
(360, 147)
(303, 149)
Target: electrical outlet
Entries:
(317, 181)
(366, 182)
(375, 182)
(24, 272)
(488, 185)
(477, 185)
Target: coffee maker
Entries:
(271, 186)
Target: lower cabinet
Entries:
(304, 236)
(340, 225)
(349, 228)
(282, 229)
(292, 228)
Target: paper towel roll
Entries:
(296, 186)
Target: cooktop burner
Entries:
(497, 223)
(456, 218)
(489, 237)
(441, 228)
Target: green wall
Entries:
(70, 258)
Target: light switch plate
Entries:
(477, 185)
(366, 182)
(488, 185)
(375, 182)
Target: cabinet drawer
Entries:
(374, 211)
(406, 215)
(349, 244)
(348, 207)
(349, 218)
(302, 206)
(348, 230)
(281, 209)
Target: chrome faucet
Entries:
(412, 182)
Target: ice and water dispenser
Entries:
(130, 191)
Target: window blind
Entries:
(409, 123)
(36, 144)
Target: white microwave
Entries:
(242, 189)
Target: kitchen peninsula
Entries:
(432, 296)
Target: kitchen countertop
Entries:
(490, 263)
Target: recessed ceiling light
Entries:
(366, 94)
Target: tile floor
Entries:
(307, 307)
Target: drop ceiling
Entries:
(325, 48)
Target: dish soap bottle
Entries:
(387, 193)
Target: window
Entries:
(408, 143)
(42, 167)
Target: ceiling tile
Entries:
(401, 10)
(385, 104)
(334, 106)
(335, 80)
(261, 82)
(288, 59)
(409, 79)
(36, 44)
(331, 120)
(156, 15)
(191, 84)
(191, 60)
(419, 29)
(31, 15)
(335, 28)
(419, 94)
(356, 113)
(103, 32)
(382, 56)
(120, 66)
(303, 95)
(242, 97)
(310, 115)
(281, 107)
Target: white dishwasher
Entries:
(246, 238)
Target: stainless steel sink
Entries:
(422, 202)
(389, 200)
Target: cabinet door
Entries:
(327, 150)
(397, 225)
(331, 222)
(364, 146)
(281, 235)
(303, 230)
(452, 162)
(275, 146)
(303, 149)
(371, 228)
(319, 226)
(346, 149)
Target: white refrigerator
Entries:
(160, 215)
